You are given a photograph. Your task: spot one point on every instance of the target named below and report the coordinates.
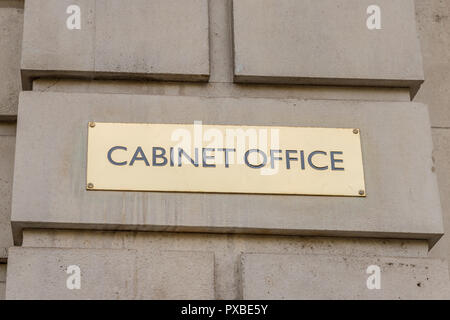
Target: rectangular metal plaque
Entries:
(225, 159)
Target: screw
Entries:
(361, 192)
(91, 124)
(355, 131)
(90, 185)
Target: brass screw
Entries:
(361, 192)
(90, 185)
(355, 131)
(92, 124)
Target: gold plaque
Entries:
(224, 159)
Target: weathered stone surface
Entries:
(402, 196)
(227, 248)
(146, 40)
(326, 42)
(2, 290)
(275, 276)
(61, 51)
(433, 20)
(441, 156)
(159, 37)
(5, 240)
(40, 273)
(222, 89)
(2, 281)
(7, 147)
(175, 275)
(2, 272)
(11, 25)
(221, 40)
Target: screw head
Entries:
(361, 192)
(90, 185)
(92, 124)
(355, 131)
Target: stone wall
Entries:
(229, 62)
(11, 25)
(433, 19)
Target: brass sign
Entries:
(224, 159)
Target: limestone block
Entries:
(2, 281)
(275, 276)
(41, 273)
(7, 148)
(326, 43)
(37, 273)
(11, 25)
(441, 156)
(2, 290)
(168, 38)
(159, 39)
(2, 272)
(176, 275)
(222, 89)
(433, 24)
(49, 47)
(402, 194)
(6, 240)
(227, 248)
